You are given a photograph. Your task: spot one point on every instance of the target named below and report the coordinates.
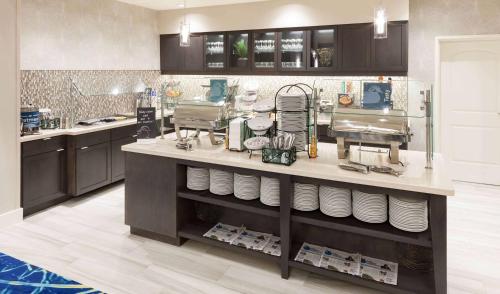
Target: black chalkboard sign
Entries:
(146, 123)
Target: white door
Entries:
(470, 108)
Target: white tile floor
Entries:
(86, 240)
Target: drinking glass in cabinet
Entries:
(238, 46)
(322, 48)
(264, 50)
(214, 51)
(292, 49)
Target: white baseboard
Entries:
(11, 217)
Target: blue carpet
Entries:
(17, 276)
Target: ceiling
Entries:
(177, 4)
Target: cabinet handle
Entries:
(60, 150)
(46, 139)
(83, 148)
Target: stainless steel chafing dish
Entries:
(202, 115)
(382, 127)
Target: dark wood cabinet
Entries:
(355, 46)
(43, 180)
(174, 58)
(93, 167)
(292, 50)
(171, 54)
(118, 158)
(391, 54)
(323, 50)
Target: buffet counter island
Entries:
(159, 205)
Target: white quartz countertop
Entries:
(80, 130)
(416, 177)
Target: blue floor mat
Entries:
(17, 276)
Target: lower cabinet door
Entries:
(118, 158)
(93, 167)
(43, 178)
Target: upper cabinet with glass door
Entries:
(215, 52)
(292, 50)
(323, 49)
(239, 51)
(264, 48)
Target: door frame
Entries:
(438, 107)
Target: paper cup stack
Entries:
(335, 202)
(246, 187)
(198, 179)
(270, 191)
(408, 214)
(370, 208)
(221, 182)
(305, 197)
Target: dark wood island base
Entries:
(159, 206)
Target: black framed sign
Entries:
(146, 123)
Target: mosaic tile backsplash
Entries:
(267, 86)
(88, 93)
(94, 94)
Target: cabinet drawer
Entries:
(43, 145)
(90, 139)
(124, 132)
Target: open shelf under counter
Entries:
(195, 231)
(352, 225)
(230, 201)
(409, 281)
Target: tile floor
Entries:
(86, 240)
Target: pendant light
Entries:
(185, 30)
(380, 23)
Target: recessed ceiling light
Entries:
(180, 5)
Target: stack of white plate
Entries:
(246, 187)
(291, 102)
(370, 208)
(292, 121)
(305, 197)
(270, 191)
(198, 179)
(221, 182)
(408, 214)
(335, 202)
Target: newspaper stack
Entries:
(310, 254)
(341, 261)
(379, 270)
(273, 247)
(252, 240)
(224, 233)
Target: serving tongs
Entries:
(378, 169)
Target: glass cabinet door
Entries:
(215, 52)
(239, 51)
(264, 51)
(292, 50)
(323, 49)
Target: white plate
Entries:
(256, 143)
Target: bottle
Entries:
(313, 150)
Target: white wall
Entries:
(433, 18)
(88, 35)
(280, 13)
(9, 120)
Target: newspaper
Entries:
(224, 233)
(252, 240)
(341, 261)
(379, 270)
(273, 247)
(310, 254)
